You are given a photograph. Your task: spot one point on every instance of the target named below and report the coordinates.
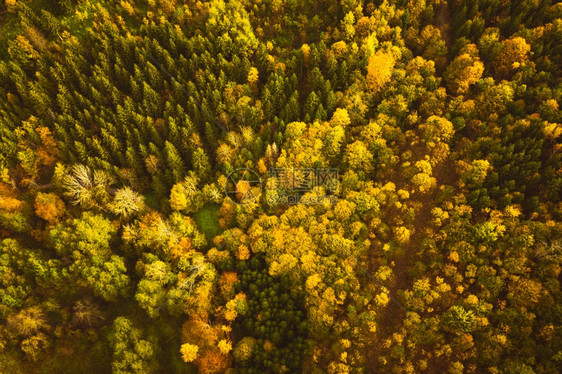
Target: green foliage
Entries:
(207, 219)
(275, 317)
(86, 242)
(131, 353)
(458, 319)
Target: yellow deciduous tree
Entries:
(340, 118)
(189, 352)
(379, 70)
(437, 129)
(513, 54)
(464, 71)
(358, 157)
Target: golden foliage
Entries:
(513, 54)
(464, 71)
(253, 76)
(189, 352)
(379, 70)
(243, 252)
(28, 321)
(49, 207)
(225, 346)
(11, 5)
(212, 362)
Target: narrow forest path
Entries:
(394, 313)
(443, 22)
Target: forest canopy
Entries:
(285, 186)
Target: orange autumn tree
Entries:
(203, 342)
(13, 211)
(379, 70)
(49, 207)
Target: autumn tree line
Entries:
(440, 250)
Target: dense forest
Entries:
(284, 186)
